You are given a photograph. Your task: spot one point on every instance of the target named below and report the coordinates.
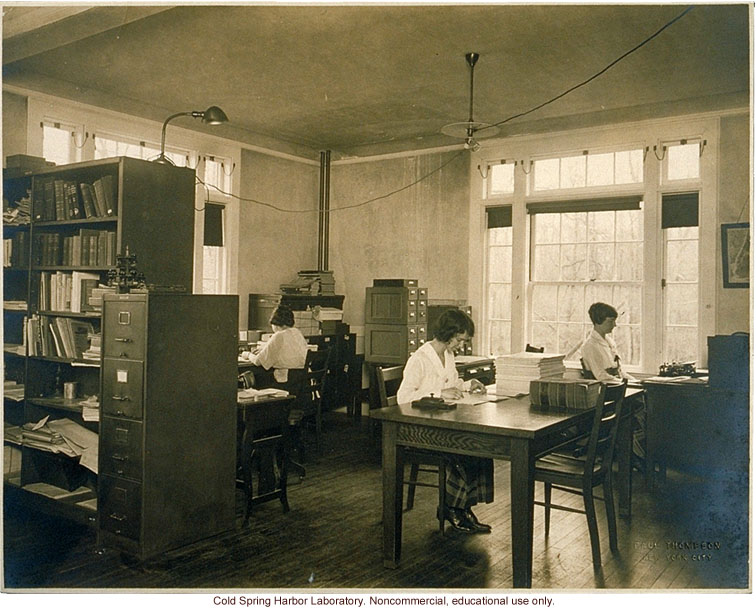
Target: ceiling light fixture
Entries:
(212, 116)
(470, 129)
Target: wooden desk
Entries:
(263, 425)
(511, 429)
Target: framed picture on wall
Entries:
(736, 247)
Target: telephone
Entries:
(433, 403)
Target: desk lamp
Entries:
(212, 116)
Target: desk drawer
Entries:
(124, 325)
(121, 444)
(120, 504)
(122, 384)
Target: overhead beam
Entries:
(42, 29)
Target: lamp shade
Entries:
(214, 116)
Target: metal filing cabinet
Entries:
(168, 420)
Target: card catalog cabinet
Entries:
(395, 321)
(168, 420)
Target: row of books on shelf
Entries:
(57, 336)
(16, 250)
(86, 248)
(59, 200)
(71, 291)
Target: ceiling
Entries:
(367, 80)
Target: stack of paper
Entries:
(514, 372)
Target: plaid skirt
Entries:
(469, 481)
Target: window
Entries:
(682, 160)
(499, 280)
(500, 179)
(116, 146)
(583, 252)
(214, 253)
(587, 170)
(58, 143)
(680, 284)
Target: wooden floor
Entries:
(690, 534)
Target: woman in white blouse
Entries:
(285, 350)
(431, 371)
(599, 353)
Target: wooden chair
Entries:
(309, 398)
(420, 461)
(581, 475)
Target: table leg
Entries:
(624, 448)
(246, 461)
(522, 467)
(392, 496)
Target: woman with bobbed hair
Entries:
(431, 370)
(285, 350)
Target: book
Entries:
(87, 198)
(79, 332)
(79, 291)
(72, 200)
(565, 393)
(99, 197)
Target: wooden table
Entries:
(511, 429)
(263, 424)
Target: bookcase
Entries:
(82, 216)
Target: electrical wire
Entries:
(600, 72)
(311, 210)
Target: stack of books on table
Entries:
(311, 282)
(94, 352)
(514, 372)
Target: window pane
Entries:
(573, 262)
(597, 293)
(681, 233)
(601, 261)
(570, 335)
(601, 226)
(502, 178)
(627, 339)
(630, 261)
(546, 174)
(544, 303)
(500, 236)
(57, 145)
(547, 228)
(630, 225)
(500, 264)
(547, 264)
(574, 227)
(500, 340)
(627, 300)
(570, 307)
(500, 301)
(682, 260)
(682, 304)
(681, 344)
(572, 172)
(683, 161)
(600, 169)
(628, 167)
(545, 335)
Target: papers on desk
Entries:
(473, 399)
(260, 393)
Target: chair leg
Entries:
(611, 518)
(441, 512)
(414, 467)
(547, 506)
(590, 513)
(318, 428)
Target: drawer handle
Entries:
(123, 339)
(118, 458)
(118, 517)
(121, 398)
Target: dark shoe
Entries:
(458, 520)
(473, 520)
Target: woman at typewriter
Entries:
(431, 370)
(599, 353)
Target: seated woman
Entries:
(599, 353)
(431, 369)
(285, 350)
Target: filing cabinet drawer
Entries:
(124, 325)
(121, 444)
(394, 305)
(122, 384)
(120, 507)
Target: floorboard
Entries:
(690, 533)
